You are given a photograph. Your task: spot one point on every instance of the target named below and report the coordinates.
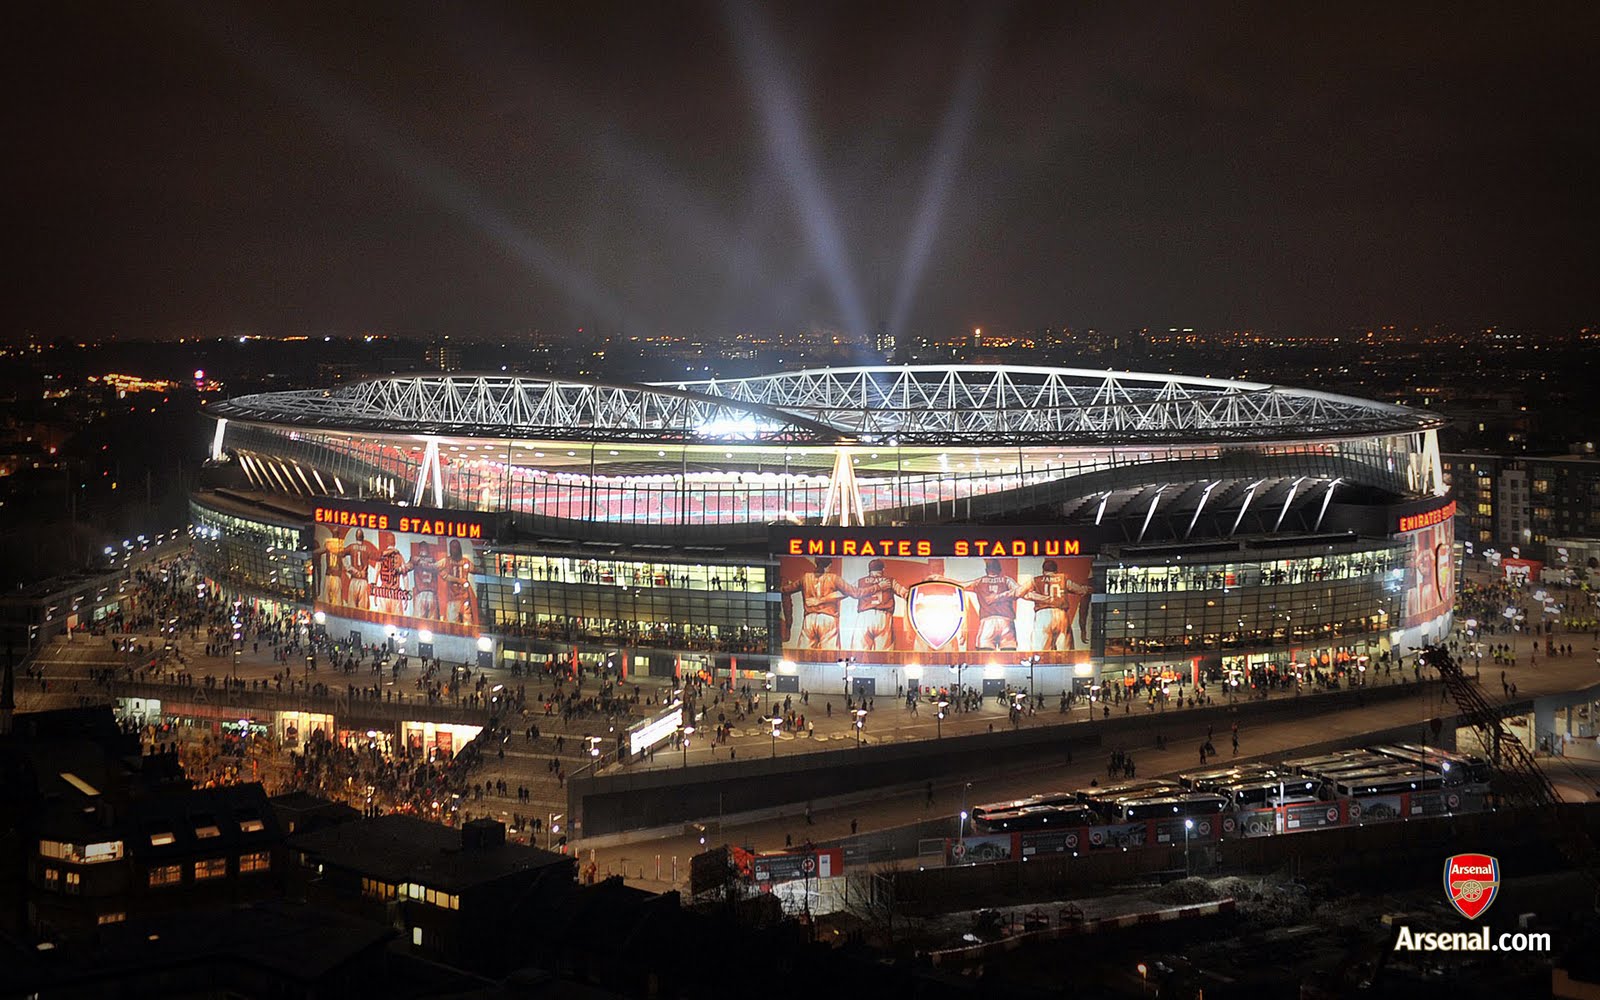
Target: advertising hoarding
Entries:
(410, 568)
(1431, 576)
(826, 862)
(935, 595)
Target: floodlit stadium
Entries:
(1232, 525)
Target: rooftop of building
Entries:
(399, 848)
(906, 405)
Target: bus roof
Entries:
(1100, 791)
(1413, 778)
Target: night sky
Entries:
(700, 169)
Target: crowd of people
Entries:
(662, 635)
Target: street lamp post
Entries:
(961, 827)
(938, 718)
(1188, 825)
(776, 722)
(688, 731)
(860, 723)
(551, 829)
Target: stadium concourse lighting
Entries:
(733, 429)
(777, 723)
(938, 718)
(860, 723)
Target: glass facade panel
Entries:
(1280, 605)
(247, 553)
(670, 605)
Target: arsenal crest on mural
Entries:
(1471, 881)
(937, 610)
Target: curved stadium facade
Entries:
(869, 527)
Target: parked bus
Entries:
(981, 813)
(1210, 781)
(1278, 791)
(1315, 765)
(1094, 796)
(1168, 806)
(1393, 781)
(1456, 768)
(1386, 783)
(1038, 818)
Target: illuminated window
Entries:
(210, 868)
(162, 839)
(74, 880)
(205, 828)
(111, 918)
(110, 850)
(166, 875)
(375, 889)
(443, 900)
(52, 877)
(251, 825)
(255, 861)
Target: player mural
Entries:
(1431, 575)
(909, 606)
(410, 579)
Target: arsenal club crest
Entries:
(937, 610)
(1471, 881)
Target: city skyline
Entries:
(928, 169)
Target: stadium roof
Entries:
(922, 405)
